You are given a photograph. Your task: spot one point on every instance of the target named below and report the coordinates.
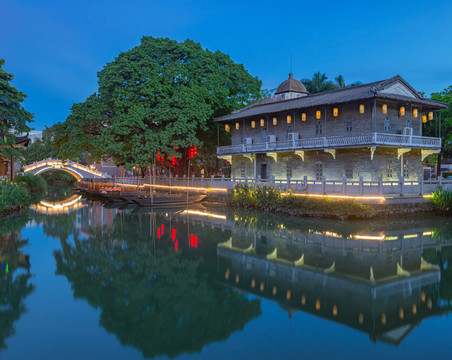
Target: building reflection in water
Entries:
(377, 282)
(380, 278)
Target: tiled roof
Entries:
(354, 93)
(291, 85)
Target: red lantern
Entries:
(158, 233)
(173, 234)
(176, 245)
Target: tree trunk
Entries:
(438, 165)
(12, 168)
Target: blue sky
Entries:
(56, 47)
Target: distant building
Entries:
(371, 130)
(5, 164)
(33, 135)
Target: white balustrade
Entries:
(370, 139)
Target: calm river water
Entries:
(85, 280)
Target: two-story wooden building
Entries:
(371, 130)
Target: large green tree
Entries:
(160, 96)
(431, 128)
(13, 117)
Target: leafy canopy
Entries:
(157, 96)
(13, 116)
(430, 128)
(320, 83)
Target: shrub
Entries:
(265, 197)
(32, 183)
(12, 195)
(442, 199)
(261, 196)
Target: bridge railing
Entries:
(54, 162)
(344, 186)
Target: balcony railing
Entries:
(372, 139)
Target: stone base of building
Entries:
(369, 163)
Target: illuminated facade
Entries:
(371, 131)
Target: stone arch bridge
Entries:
(77, 170)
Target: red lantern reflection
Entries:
(173, 234)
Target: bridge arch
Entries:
(77, 170)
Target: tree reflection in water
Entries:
(15, 275)
(156, 299)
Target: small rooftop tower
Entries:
(291, 87)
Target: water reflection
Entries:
(15, 284)
(376, 281)
(170, 282)
(155, 290)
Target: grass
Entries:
(269, 198)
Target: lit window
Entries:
(318, 114)
(361, 109)
(402, 111)
(275, 121)
(405, 169)
(289, 119)
(262, 122)
(415, 113)
(253, 124)
(384, 109)
(303, 117)
(335, 112)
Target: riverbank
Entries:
(18, 194)
(249, 197)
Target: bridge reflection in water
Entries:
(59, 207)
(378, 282)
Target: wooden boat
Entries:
(122, 196)
(168, 200)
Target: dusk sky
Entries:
(56, 47)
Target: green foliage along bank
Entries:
(12, 196)
(442, 199)
(32, 183)
(268, 198)
(23, 191)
